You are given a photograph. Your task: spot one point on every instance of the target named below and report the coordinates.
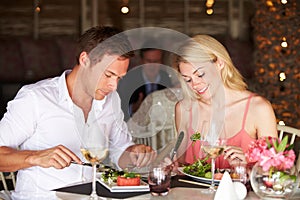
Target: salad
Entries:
(200, 168)
(122, 178)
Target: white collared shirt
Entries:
(41, 116)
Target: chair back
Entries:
(6, 176)
(156, 136)
(293, 132)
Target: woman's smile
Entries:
(203, 90)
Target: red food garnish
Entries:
(127, 181)
(218, 176)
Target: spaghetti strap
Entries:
(246, 110)
(190, 119)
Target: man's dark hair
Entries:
(142, 51)
(111, 39)
(149, 45)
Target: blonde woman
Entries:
(215, 92)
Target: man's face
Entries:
(110, 76)
(152, 60)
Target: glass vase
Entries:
(274, 183)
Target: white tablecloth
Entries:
(175, 193)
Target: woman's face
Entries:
(202, 78)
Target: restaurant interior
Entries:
(37, 39)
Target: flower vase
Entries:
(274, 183)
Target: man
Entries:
(46, 119)
(142, 81)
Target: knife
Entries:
(84, 164)
(178, 142)
(89, 164)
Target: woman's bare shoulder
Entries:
(260, 103)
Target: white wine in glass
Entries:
(95, 155)
(213, 151)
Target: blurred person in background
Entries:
(142, 80)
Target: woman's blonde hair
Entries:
(204, 48)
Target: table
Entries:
(179, 190)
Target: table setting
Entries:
(160, 182)
(182, 187)
(157, 182)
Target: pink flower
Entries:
(271, 152)
(290, 157)
(270, 158)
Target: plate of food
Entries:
(120, 181)
(198, 178)
(201, 171)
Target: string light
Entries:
(282, 76)
(269, 3)
(209, 11)
(37, 9)
(284, 43)
(284, 1)
(125, 10)
(209, 7)
(209, 3)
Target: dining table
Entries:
(182, 187)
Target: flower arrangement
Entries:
(274, 174)
(271, 153)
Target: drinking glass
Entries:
(159, 180)
(213, 150)
(94, 148)
(239, 172)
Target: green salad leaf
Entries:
(198, 168)
(196, 136)
(111, 175)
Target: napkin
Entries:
(228, 190)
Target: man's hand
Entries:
(58, 157)
(139, 155)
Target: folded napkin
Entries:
(229, 190)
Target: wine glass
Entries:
(94, 148)
(213, 145)
(213, 150)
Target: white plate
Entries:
(197, 178)
(115, 188)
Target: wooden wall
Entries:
(63, 17)
(56, 17)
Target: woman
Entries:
(214, 92)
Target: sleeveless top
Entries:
(241, 139)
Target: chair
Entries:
(153, 123)
(6, 176)
(155, 136)
(294, 132)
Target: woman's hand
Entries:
(171, 164)
(234, 155)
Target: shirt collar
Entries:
(147, 81)
(64, 93)
(62, 87)
(98, 104)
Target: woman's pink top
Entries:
(241, 139)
